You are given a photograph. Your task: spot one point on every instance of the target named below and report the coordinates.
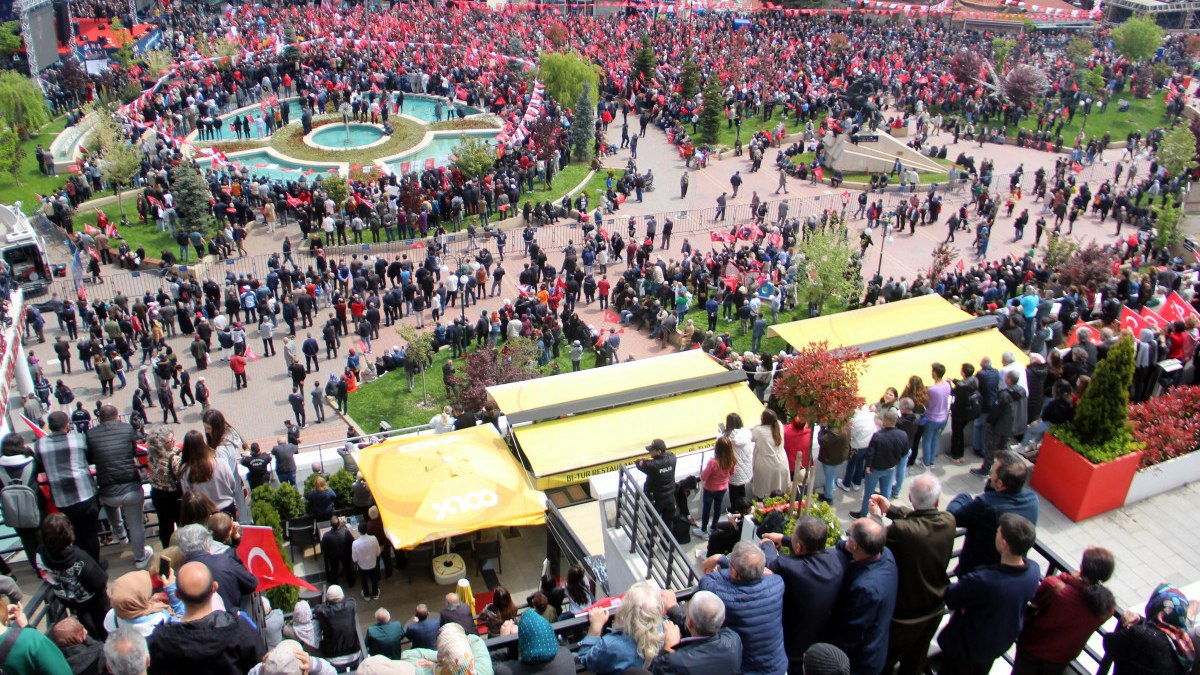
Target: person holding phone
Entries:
(20, 647)
(134, 603)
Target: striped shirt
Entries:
(63, 456)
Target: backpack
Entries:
(18, 499)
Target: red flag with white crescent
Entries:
(1152, 318)
(1176, 308)
(1132, 320)
(260, 554)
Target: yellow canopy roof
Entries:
(432, 487)
(892, 369)
(565, 451)
(629, 376)
(870, 324)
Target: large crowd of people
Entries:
(769, 601)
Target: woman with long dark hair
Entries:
(1066, 610)
(579, 596)
(230, 447)
(202, 471)
(501, 609)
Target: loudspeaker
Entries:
(62, 21)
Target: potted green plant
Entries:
(763, 508)
(1085, 467)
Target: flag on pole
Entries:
(260, 554)
(1132, 320)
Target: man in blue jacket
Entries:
(712, 649)
(989, 603)
(812, 579)
(753, 607)
(1005, 493)
(868, 598)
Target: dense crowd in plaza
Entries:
(769, 602)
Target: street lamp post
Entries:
(883, 240)
(462, 285)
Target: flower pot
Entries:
(1077, 487)
(1164, 477)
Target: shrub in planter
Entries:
(1101, 431)
(342, 483)
(289, 503)
(1168, 425)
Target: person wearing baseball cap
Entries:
(660, 479)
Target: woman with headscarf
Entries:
(230, 447)
(771, 475)
(1145, 359)
(303, 629)
(457, 654)
(636, 636)
(538, 650)
(1158, 644)
(135, 604)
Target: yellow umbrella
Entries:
(466, 594)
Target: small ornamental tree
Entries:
(966, 66)
(192, 199)
(819, 386)
(1137, 38)
(1024, 83)
(827, 257)
(336, 188)
(1177, 151)
(472, 156)
(484, 368)
(1002, 49)
(1088, 267)
(22, 103)
(1169, 425)
(420, 349)
(12, 153)
(1057, 250)
(941, 258)
(1101, 430)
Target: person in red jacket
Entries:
(238, 365)
(1066, 610)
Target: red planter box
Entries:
(1077, 487)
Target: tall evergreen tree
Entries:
(644, 61)
(583, 125)
(689, 79)
(710, 114)
(192, 199)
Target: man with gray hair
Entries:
(384, 637)
(711, 647)
(921, 539)
(232, 577)
(1011, 365)
(457, 612)
(126, 652)
(753, 606)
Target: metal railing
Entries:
(650, 538)
(549, 237)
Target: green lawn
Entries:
(752, 124)
(388, 397)
(1144, 114)
(31, 181)
(135, 233)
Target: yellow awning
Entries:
(870, 324)
(892, 369)
(630, 376)
(566, 451)
(432, 487)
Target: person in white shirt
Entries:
(365, 553)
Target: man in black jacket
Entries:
(711, 648)
(921, 539)
(660, 479)
(232, 577)
(311, 349)
(111, 445)
(206, 642)
(812, 581)
(335, 546)
(887, 448)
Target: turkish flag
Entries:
(1133, 321)
(1153, 319)
(260, 553)
(1176, 308)
(1074, 338)
(718, 237)
(961, 265)
(611, 316)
